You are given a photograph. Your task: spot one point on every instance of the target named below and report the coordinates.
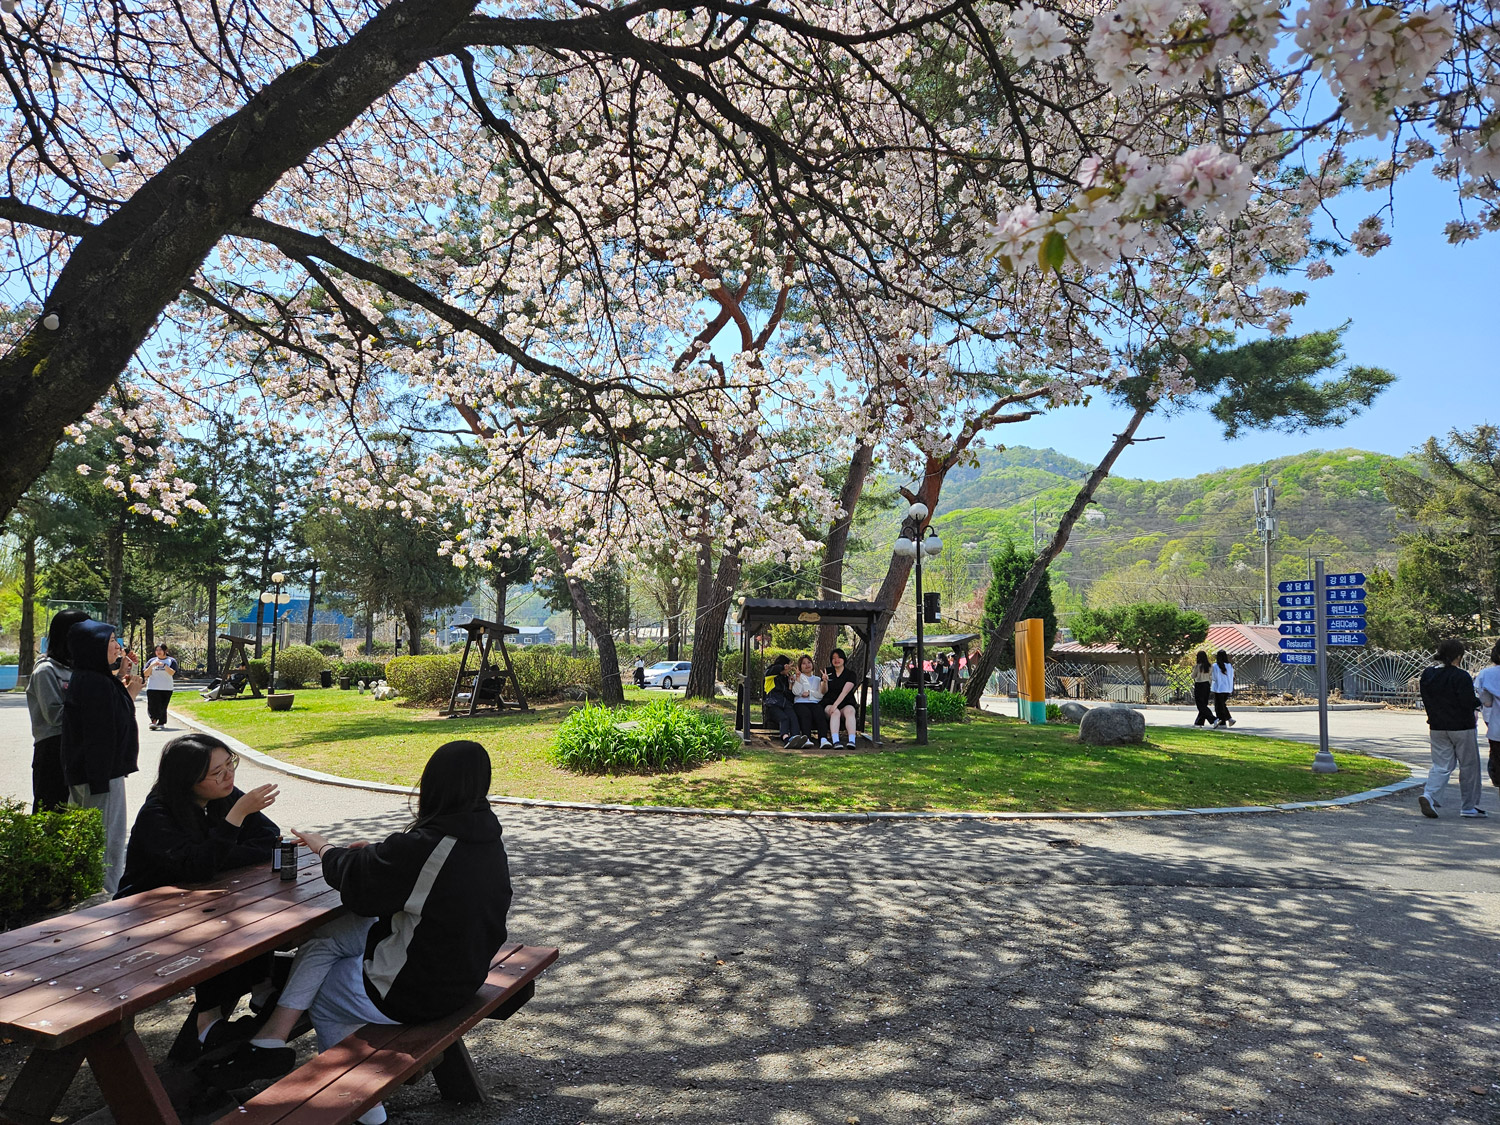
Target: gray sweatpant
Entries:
(116, 832)
(1455, 749)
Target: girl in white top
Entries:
(160, 670)
(807, 695)
(1221, 683)
(1487, 687)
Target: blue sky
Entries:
(1425, 310)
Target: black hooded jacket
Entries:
(439, 894)
(99, 736)
(176, 842)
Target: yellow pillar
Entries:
(1031, 677)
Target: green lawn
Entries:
(990, 763)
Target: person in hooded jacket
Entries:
(427, 916)
(196, 823)
(44, 697)
(100, 743)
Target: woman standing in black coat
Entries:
(195, 825)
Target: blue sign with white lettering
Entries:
(1355, 594)
(1345, 639)
(1301, 586)
(1299, 658)
(1297, 599)
(1355, 579)
(1345, 624)
(1301, 629)
(1346, 609)
(1300, 644)
(1297, 615)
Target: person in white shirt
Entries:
(1221, 684)
(807, 698)
(1487, 686)
(160, 671)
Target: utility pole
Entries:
(1036, 539)
(1265, 527)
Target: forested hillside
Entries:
(1190, 540)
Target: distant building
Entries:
(293, 621)
(536, 635)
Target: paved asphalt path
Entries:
(1334, 965)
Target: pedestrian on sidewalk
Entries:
(1201, 689)
(1221, 683)
(160, 670)
(1487, 684)
(44, 698)
(100, 742)
(1451, 703)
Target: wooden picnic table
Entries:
(72, 985)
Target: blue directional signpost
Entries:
(1324, 610)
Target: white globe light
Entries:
(110, 159)
(8, 6)
(906, 547)
(278, 578)
(918, 511)
(932, 545)
(51, 322)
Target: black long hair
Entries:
(184, 763)
(456, 779)
(1202, 661)
(57, 634)
(1223, 660)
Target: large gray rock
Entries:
(1112, 726)
(1073, 712)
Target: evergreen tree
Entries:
(1008, 567)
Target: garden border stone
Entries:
(1418, 776)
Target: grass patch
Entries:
(990, 763)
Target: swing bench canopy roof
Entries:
(945, 640)
(478, 625)
(754, 612)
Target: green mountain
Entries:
(1190, 540)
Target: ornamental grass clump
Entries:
(660, 737)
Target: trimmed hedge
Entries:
(329, 648)
(298, 664)
(663, 735)
(260, 674)
(48, 861)
(429, 679)
(367, 670)
(901, 703)
(422, 679)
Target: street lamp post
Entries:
(275, 599)
(910, 544)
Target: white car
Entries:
(668, 674)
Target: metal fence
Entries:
(1371, 675)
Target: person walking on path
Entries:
(100, 742)
(1451, 703)
(1221, 684)
(160, 671)
(44, 699)
(1487, 684)
(1201, 690)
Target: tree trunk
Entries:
(413, 615)
(611, 688)
(994, 642)
(836, 546)
(260, 620)
(121, 274)
(708, 624)
(672, 610)
(369, 632)
(25, 660)
(502, 588)
(1143, 662)
(148, 648)
(213, 625)
(312, 601)
(114, 557)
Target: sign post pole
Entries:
(1322, 761)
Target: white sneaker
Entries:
(824, 743)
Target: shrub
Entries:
(9, 658)
(901, 703)
(329, 648)
(260, 674)
(1054, 713)
(48, 861)
(367, 670)
(663, 735)
(299, 664)
(423, 679)
(732, 665)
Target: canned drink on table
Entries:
(288, 853)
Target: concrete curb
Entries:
(321, 778)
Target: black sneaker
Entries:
(1427, 806)
(227, 1032)
(249, 1062)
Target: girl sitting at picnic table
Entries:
(807, 693)
(195, 824)
(838, 699)
(427, 916)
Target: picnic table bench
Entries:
(71, 986)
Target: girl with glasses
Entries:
(195, 825)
